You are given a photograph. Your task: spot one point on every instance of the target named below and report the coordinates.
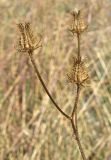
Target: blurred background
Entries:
(30, 127)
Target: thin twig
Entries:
(78, 40)
(74, 121)
(44, 86)
(30, 46)
(76, 100)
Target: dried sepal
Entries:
(78, 24)
(27, 40)
(79, 74)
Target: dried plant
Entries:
(27, 42)
(78, 76)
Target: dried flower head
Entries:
(78, 25)
(79, 74)
(27, 41)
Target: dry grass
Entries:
(30, 127)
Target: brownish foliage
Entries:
(30, 128)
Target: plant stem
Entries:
(76, 100)
(73, 117)
(74, 121)
(44, 86)
(78, 40)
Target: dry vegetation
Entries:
(30, 127)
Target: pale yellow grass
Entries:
(30, 127)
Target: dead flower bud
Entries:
(78, 24)
(27, 41)
(79, 74)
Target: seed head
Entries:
(79, 74)
(78, 25)
(27, 41)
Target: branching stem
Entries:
(74, 120)
(44, 86)
(26, 44)
(73, 117)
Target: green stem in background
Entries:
(44, 86)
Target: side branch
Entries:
(44, 86)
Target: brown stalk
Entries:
(28, 43)
(73, 117)
(74, 121)
(78, 39)
(44, 86)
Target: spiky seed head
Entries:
(79, 74)
(27, 41)
(78, 24)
